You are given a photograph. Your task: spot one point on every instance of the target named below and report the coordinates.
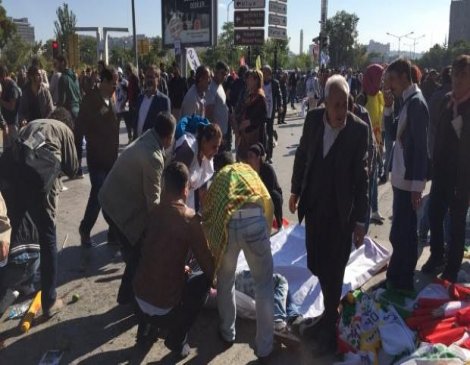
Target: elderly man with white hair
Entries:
(329, 189)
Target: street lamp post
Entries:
(134, 39)
(399, 37)
(228, 9)
(415, 42)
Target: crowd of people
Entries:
(196, 184)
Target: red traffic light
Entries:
(55, 44)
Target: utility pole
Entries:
(415, 42)
(134, 38)
(399, 37)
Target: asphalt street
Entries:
(95, 330)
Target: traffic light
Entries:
(55, 49)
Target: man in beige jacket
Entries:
(132, 189)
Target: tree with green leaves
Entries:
(342, 32)
(64, 25)
(87, 49)
(440, 56)
(16, 53)
(7, 27)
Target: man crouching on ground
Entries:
(168, 295)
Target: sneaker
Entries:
(55, 309)
(433, 265)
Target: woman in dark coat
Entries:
(252, 117)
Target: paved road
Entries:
(97, 331)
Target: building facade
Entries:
(24, 29)
(459, 25)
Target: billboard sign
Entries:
(249, 19)
(249, 37)
(250, 4)
(192, 22)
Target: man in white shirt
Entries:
(408, 175)
(151, 103)
(194, 102)
(216, 100)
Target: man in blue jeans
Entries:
(237, 215)
(408, 175)
(98, 122)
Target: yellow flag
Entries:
(258, 62)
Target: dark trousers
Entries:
(78, 137)
(270, 135)
(458, 220)
(439, 198)
(126, 116)
(97, 177)
(48, 247)
(179, 320)
(281, 117)
(227, 144)
(276, 197)
(131, 257)
(328, 250)
(404, 239)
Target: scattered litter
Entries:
(18, 311)
(75, 298)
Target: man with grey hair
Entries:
(329, 190)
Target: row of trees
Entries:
(341, 29)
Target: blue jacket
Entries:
(160, 103)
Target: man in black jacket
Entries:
(98, 122)
(177, 88)
(329, 189)
(450, 188)
(273, 95)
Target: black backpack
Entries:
(30, 162)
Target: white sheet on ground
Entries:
(290, 260)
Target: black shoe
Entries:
(433, 265)
(147, 334)
(448, 276)
(85, 239)
(182, 354)
(227, 344)
(325, 345)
